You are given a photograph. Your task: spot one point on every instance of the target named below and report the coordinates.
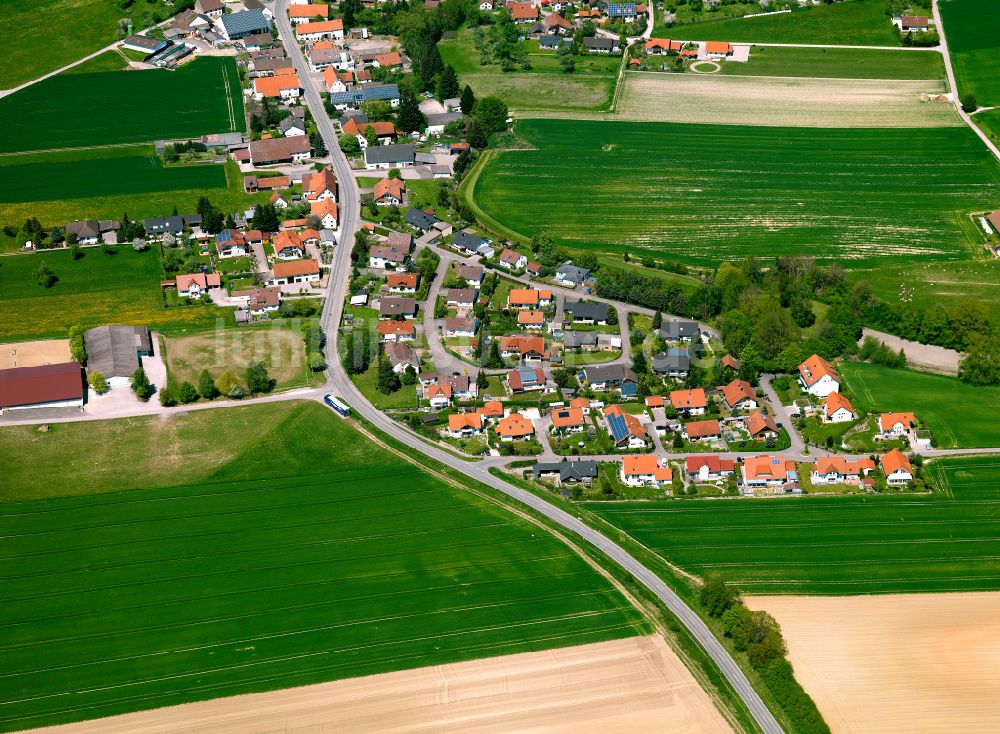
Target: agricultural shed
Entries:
(114, 351)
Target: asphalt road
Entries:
(341, 385)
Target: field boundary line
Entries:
(12, 153)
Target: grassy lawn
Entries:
(740, 190)
(838, 545)
(101, 183)
(958, 414)
(43, 35)
(851, 23)
(277, 344)
(107, 61)
(970, 27)
(367, 383)
(817, 433)
(123, 288)
(113, 107)
(989, 122)
(945, 282)
(687, 283)
(263, 560)
(839, 63)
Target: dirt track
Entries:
(896, 664)
(635, 685)
(34, 354)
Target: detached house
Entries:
(760, 472)
(639, 471)
(464, 298)
(393, 307)
(405, 283)
(838, 409)
(319, 186)
(897, 468)
(511, 260)
(761, 426)
(625, 429)
(523, 12)
(296, 271)
(896, 425)
(838, 470)
(515, 427)
(318, 30)
(397, 331)
(568, 420)
(818, 377)
(709, 430)
(386, 257)
(603, 378)
(439, 396)
(689, 402)
(528, 298)
(463, 425)
(525, 348)
(739, 395)
(284, 86)
(389, 192)
(401, 357)
(194, 285)
(230, 243)
(525, 379)
(586, 312)
(326, 212)
(288, 246)
(458, 326)
(708, 468)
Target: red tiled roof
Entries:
(296, 267)
(43, 384)
(682, 399)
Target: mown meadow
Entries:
(959, 415)
(890, 543)
(707, 193)
(240, 582)
(99, 288)
(114, 107)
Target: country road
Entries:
(349, 205)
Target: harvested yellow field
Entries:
(783, 101)
(34, 354)
(635, 685)
(896, 664)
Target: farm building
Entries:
(144, 44)
(389, 156)
(115, 351)
(319, 30)
(45, 386)
(279, 150)
(296, 271)
(283, 86)
(247, 23)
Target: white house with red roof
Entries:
(639, 471)
(838, 409)
(818, 377)
(194, 285)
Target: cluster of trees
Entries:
(255, 380)
(500, 44)
(876, 352)
(77, 347)
(213, 220)
(266, 114)
(358, 351)
(129, 230)
(98, 383)
(44, 276)
(757, 635)
(265, 218)
(173, 152)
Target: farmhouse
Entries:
(568, 420)
(194, 285)
(702, 430)
(279, 150)
(515, 427)
(896, 467)
(689, 402)
(283, 86)
(45, 386)
(639, 471)
(896, 425)
(567, 472)
(296, 271)
(525, 379)
(768, 471)
(389, 156)
(247, 23)
(838, 409)
(761, 426)
(318, 30)
(708, 468)
(913, 23)
(838, 470)
(319, 186)
(818, 377)
(304, 13)
(114, 351)
(586, 312)
(625, 429)
(211, 8)
(739, 395)
(391, 331)
(463, 425)
(392, 307)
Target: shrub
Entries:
(97, 383)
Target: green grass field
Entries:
(544, 87)
(970, 27)
(944, 282)
(989, 122)
(43, 35)
(838, 63)
(114, 107)
(228, 584)
(958, 414)
(852, 23)
(97, 289)
(840, 545)
(707, 193)
(101, 183)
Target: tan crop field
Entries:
(636, 685)
(527, 91)
(783, 101)
(896, 664)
